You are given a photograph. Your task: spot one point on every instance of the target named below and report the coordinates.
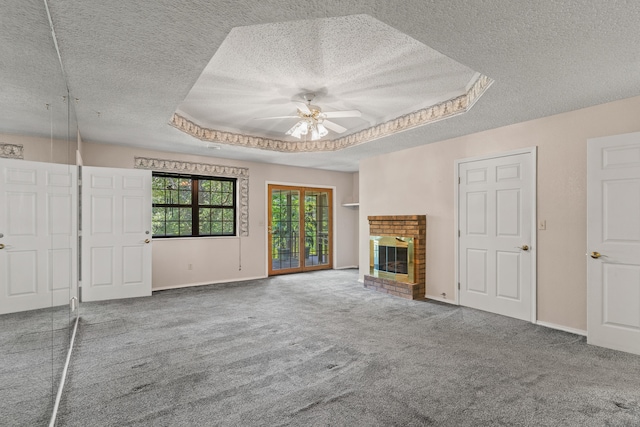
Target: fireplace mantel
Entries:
(401, 227)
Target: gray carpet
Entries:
(33, 348)
(320, 350)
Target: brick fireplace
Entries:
(397, 251)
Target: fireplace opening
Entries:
(392, 258)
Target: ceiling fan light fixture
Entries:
(296, 130)
(322, 131)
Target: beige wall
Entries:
(43, 149)
(226, 259)
(421, 181)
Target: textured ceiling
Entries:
(130, 64)
(351, 62)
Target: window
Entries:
(190, 205)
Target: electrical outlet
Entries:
(542, 224)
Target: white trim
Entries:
(440, 299)
(346, 267)
(534, 219)
(562, 328)
(67, 362)
(431, 114)
(215, 282)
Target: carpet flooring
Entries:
(33, 348)
(318, 349)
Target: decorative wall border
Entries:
(434, 113)
(242, 174)
(12, 151)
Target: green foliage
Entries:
(172, 210)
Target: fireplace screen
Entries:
(391, 258)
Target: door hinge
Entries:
(459, 180)
(458, 285)
(458, 233)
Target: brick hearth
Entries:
(414, 226)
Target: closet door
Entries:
(116, 233)
(37, 234)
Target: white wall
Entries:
(224, 259)
(421, 181)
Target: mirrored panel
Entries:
(37, 221)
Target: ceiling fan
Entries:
(312, 120)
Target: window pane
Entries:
(204, 214)
(185, 229)
(158, 229)
(185, 197)
(171, 183)
(185, 214)
(185, 184)
(227, 199)
(157, 182)
(172, 228)
(205, 227)
(212, 195)
(216, 227)
(173, 214)
(204, 198)
(171, 196)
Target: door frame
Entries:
(533, 151)
(334, 251)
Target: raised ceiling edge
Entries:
(242, 174)
(12, 151)
(434, 113)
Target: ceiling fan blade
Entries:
(345, 113)
(333, 126)
(304, 108)
(276, 117)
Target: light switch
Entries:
(542, 224)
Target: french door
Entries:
(300, 224)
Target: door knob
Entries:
(1, 246)
(524, 247)
(147, 240)
(595, 255)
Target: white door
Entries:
(37, 234)
(496, 245)
(116, 233)
(613, 242)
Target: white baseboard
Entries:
(562, 328)
(213, 282)
(347, 267)
(440, 299)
